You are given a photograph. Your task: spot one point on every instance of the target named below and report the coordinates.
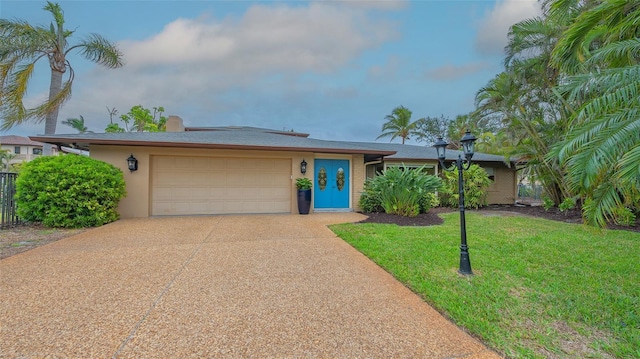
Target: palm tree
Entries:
(399, 124)
(602, 150)
(522, 98)
(22, 45)
(76, 124)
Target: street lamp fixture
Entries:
(462, 165)
(132, 163)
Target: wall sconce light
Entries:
(303, 166)
(132, 162)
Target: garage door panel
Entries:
(202, 185)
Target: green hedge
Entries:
(69, 191)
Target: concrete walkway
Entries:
(278, 286)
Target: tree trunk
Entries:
(51, 119)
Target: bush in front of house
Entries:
(476, 183)
(69, 191)
(401, 191)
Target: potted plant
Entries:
(304, 194)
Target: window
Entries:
(491, 173)
(37, 151)
(16, 150)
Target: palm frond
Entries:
(99, 50)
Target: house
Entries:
(225, 170)
(21, 149)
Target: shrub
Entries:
(399, 191)
(476, 182)
(428, 200)
(69, 191)
(547, 203)
(370, 201)
(624, 216)
(566, 205)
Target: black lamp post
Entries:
(462, 164)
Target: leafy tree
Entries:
(428, 129)
(77, 124)
(139, 119)
(399, 124)
(23, 45)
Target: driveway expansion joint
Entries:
(164, 291)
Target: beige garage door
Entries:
(205, 185)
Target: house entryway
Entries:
(331, 184)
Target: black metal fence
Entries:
(8, 215)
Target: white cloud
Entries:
(315, 38)
(370, 4)
(452, 72)
(494, 28)
(203, 68)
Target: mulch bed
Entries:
(431, 218)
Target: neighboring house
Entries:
(230, 170)
(21, 149)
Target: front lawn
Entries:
(541, 289)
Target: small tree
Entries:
(476, 182)
(138, 119)
(69, 191)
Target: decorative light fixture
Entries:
(132, 162)
(462, 165)
(303, 166)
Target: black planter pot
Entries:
(304, 201)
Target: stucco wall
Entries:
(137, 201)
(503, 189)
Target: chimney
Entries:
(174, 124)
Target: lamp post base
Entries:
(465, 262)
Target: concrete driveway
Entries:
(221, 286)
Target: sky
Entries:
(332, 69)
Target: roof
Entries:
(219, 139)
(18, 140)
(247, 128)
(412, 152)
(253, 138)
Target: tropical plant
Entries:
(399, 125)
(303, 183)
(476, 183)
(77, 124)
(601, 52)
(69, 191)
(400, 190)
(138, 119)
(22, 46)
(523, 99)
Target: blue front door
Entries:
(331, 187)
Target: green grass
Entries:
(541, 288)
